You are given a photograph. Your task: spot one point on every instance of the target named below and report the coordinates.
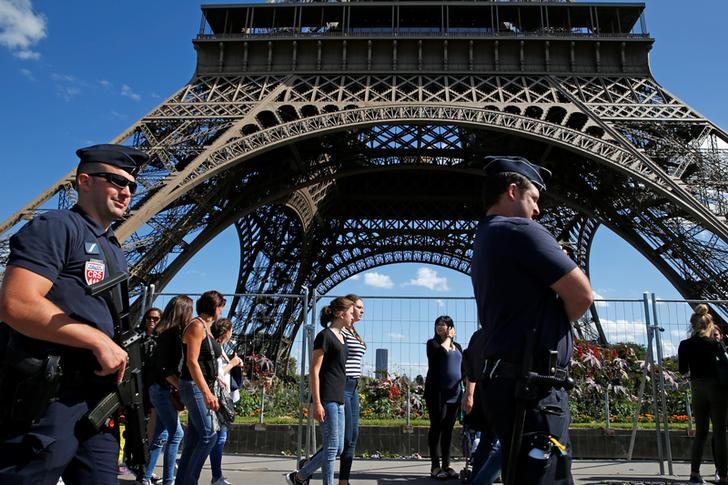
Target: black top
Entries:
(209, 352)
(474, 357)
(515, 261)
(332, 375)
(436, 366)
(64, 246)
(149, 358)
(700, 356)
(168, 358)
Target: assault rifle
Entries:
(129, 392)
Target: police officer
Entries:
(523, 280)
(44, 302)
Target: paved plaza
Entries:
(270, 470)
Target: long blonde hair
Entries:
(701, 321)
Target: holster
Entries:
(28, 385)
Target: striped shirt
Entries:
(356, 351)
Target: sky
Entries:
(80, 72)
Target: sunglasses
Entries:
(153, 319)
(118, 181)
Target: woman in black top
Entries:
(196, 387)
(442, 394)
(327, 379)
(165, 379)
(700, 355)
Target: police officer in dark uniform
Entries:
(60, 357)
(525, 285)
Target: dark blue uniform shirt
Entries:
(63, 246)
(515, 260)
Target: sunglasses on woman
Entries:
(116, 180)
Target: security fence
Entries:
(633, 379)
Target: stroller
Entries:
(470, 441)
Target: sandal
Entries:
(435, 472)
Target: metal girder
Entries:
(328, 174)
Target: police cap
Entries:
(536, 174)
(123, 157)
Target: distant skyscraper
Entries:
(381, 367)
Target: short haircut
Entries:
(495, 185)
(209, 301)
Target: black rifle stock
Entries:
(522, 390)
(129, 392)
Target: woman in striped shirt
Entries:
(356, 348)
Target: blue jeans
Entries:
(166, 430)
(216, 454)
(332, 435)
(199, 439)
(351, 426)
(491, 469)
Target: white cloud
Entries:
(105, 84)
(68, 92)
(21, 28)
(378, 280)
(67, 86)
(129, 93)
(28, 74)
(355, 277)
(62, 77)
(429, 278)
(397, 336)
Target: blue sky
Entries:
(77, 73)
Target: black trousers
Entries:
(710, 405)
(547, 415)
(442, 421)
(58, 445)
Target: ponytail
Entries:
(328, 313)
(701, 321)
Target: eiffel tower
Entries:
(341, 136)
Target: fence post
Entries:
(650, 362)
(311, 437)
(690, 412)
(302, 384)
(663, 392)
(606, 409)
(262, 404)
(409, 402)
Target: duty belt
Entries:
(499, 368)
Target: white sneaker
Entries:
(221, 481)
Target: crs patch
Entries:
(94, 271)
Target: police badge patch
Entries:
(94, 271)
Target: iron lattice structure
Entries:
(337, 137)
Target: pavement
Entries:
(271, 470)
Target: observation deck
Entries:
(424, 36)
